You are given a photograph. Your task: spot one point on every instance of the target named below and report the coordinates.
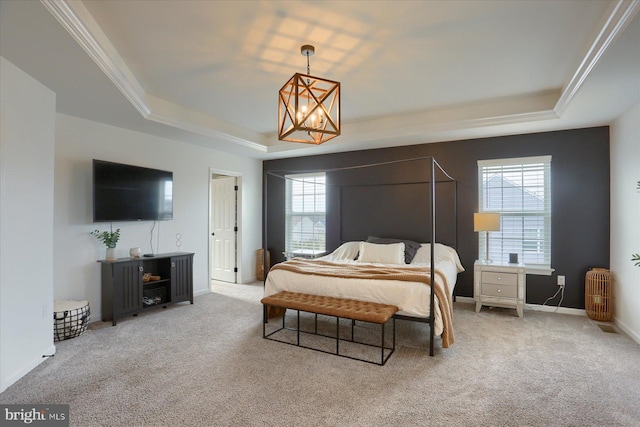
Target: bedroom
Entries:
(70, 141)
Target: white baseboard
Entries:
(537, 307)
(555, 309)
(51, 350)
(201, 292)
(626, 330)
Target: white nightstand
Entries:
(499, 285)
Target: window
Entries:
(305, 214)
(520, 190)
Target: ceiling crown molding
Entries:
(522, 109)
(77, 20)
(620, 14)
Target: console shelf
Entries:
(124, 293)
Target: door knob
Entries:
(213, 234)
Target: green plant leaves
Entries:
(109, 238)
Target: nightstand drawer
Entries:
(500, 285)
(504, 291)
(499, 278)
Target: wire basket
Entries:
(70, 319)
(598, 294)
(154, 296)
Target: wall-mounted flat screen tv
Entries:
(131, 193)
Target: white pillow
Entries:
(346, 252)
(383, 254)
(423, 256)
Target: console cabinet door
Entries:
(127, 289)
(182, 278)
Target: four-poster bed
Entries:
(369, 270)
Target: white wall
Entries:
(78, 141)
(27, 122)
(625, 220)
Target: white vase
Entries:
(111, 254)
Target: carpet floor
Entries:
(207, 365)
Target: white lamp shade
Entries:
(486, 221)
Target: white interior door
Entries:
(223, 228)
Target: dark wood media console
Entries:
(126, 293)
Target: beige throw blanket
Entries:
(365, 271)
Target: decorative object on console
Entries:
(148, 277)
(308, 107)
(135, 252)
(486, 221)
(110, 239)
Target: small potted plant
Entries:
(110, 239)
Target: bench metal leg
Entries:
(338, 336)
(382, 344)
(265, 317)
(315, 327)
(298, 327)
(393, 347)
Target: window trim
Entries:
(536, 269)
(288, 252)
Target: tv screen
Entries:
(131, 193)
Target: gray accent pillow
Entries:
(410, 247)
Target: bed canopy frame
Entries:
(435, 174)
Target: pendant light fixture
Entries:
(309, 107)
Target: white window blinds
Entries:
(520, 190)
(305, 215)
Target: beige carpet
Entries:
(207, 365)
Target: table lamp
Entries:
(486, 221)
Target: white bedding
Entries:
(411, 298)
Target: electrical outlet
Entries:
(561, 281)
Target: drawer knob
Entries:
(499, 290)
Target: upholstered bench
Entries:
(340, 308)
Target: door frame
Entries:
(238, 176)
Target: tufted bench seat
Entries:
(340, 308)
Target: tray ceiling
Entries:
(208, 72)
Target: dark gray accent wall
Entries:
(579, 197)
